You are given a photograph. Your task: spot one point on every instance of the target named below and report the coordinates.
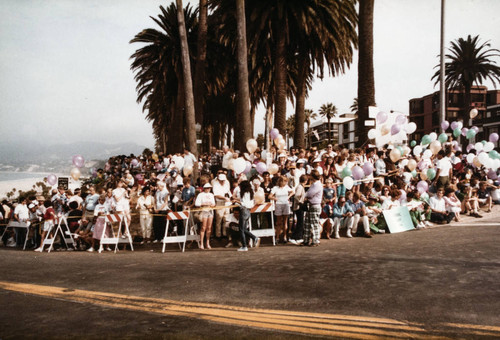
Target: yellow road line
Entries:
(296, 322)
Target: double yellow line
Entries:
(331, 325)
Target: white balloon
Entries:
(483, 158)
(433, 136)
(178, 161)
(478, 146)
(470, 158)
(460, 125)
(411, 127)
(488, 163)
(372, 133)
(427, 154)
(417, 150)
(404, 163)
(348, 182)
(488, 146)
(239, 165)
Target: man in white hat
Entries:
(222, 193)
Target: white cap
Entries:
(301, 161)
(317, 160)
(221, 177)
(207, 186)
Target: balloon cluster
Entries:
(391, 128)
(277, 138)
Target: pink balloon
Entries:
(494, 137)
(134, 162)
(381, 117)
(395, 128)
(464, 131)
(492, 174)
(261, 167)
(445, 125)
(368, 168)
(469, 147)
(422, 187)
(274, 133)
(401, 119)
(475, 128)
(454, 125)
(78, 161)
(52, 179)
(357, 172)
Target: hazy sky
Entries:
(65, 69)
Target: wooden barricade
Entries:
(187, 217)
(269, 232)
(61, 228)
(118, 237)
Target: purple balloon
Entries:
(158, 166)
(357, 172)
(464, 131)
(248, 167)
(457, 148)
(403, 195)
(52, 179)
(274, 133)
(134, 162)
(475, 128)
(261, 167)
(422, 187)
(401, 119)
(469, 147)
(368, 168)
(492, 174)
(395, 128)
(381, 117)
(494, 137)
(78, 161)
(445, 125)
(454, 125)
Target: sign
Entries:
(398, 219)
(63, 182)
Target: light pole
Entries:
(442, 89)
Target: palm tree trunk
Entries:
(298, 138)
(199, 73)
(366, 78)
(243, 97)
(269, 119)
(280, 82)
(329, 132)
(188, 83)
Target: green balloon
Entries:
(431, 173)
(414, 173)
(346, 172)
(413, 143)
(400, 150)
(470, 134)
(457, 132)
(484, 142)
(493, 154)
(426, 140)
(443, 138)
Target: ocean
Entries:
(7, 176)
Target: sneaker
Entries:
(142, 242)
(428, 224)
(256, 243)
(90, 250)
(11, 242)
(108, 249)
(336, 235)
(39, 249)
(229, 245)
(349, 233)
(155, 241)
(292, 241)
(243, 249)
(299, 241)
(381, 231)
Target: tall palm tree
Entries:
(328, 110)
(469, 63)
(354, 106)
(201, 59)
(158, 74)
(188, 83)
(310, 115)
(366, 78)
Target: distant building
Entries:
(424, 111)
(342, 130)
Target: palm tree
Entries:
(366, 78)
(188, 83)
(328, 110)
(309, 116)
(201, 59)
(354, 106)
(469, 63)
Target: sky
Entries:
(65, 69)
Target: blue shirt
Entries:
(91, 202)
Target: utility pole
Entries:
(442, 88)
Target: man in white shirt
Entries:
(222, 193)
(190, 159)
(444, 169)
(438, 209)
(226, 157)
(22, 215)
(161, 201)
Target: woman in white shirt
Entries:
(145, 204)
(245, 200)
(205, 199)
(281, 195)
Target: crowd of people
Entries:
(312, 199)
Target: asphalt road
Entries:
(442, 281)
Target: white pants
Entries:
(146, 221)
(357, 219)
(344, 222)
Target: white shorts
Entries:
(47, 225)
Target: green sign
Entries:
(398, 219)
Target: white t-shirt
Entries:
(437, 204)
(22, 212)
(281, 194)
(204, 199)
(121, 204)
(189, 160)
(445, 165)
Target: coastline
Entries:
(26, 184)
